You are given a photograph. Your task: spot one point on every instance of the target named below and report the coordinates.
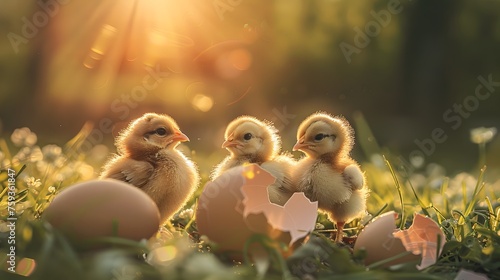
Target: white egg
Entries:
(103, 208)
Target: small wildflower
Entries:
(320, 226)
(23, 137)
(456, 183)
(435, 170)
(28, 155)
(20, 208)
(186, 214)
(52, 189)
(31, 182)
(52, 154)
(482, 135)
(417, 160)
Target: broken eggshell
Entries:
(236, 206)
(422, 238)
(382, 240)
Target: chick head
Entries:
(149, 134)
(249, 137)
(322, 134)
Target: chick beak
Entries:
(230, 142)
(179, 137)
(300, 144)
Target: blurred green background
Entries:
(408, 67)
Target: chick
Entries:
(250, 140)
(148, 159)
(327, 173)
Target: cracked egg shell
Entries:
(103, 208)
(236, 206)
(378, 239)
(381, 240)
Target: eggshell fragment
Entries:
(377, 238)
(422, 238)
(103, 208)
(236, 206)
(382, 240)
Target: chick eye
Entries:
(161, 131)
(247, 136)
(319, 137)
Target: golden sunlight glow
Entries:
(232, 64)
(100, 46)
(166, 253)
(108, 48)
(241, 59)
(202, 102)
(249, 174)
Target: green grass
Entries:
(466, 208)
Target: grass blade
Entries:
(400, 193)
(477, 190)
(422, 206)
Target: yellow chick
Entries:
(148, 159)
(250, 140)
(327, 173)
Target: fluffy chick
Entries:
(250, 140)
(148, 159)
(327, 173)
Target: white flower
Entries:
(52, 154)
(27, 155)
(52, 189)
(23, 137)
(19, 208)
(31, 182)
(186, 214)
(455, 186)
(435, 170)
(320, 226)
(52, 157)
(482, 135)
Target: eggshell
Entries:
(236, 206)
(381, 240)
(378, 239)
(422, 238)
(103, 208)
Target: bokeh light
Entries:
(202, 102)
